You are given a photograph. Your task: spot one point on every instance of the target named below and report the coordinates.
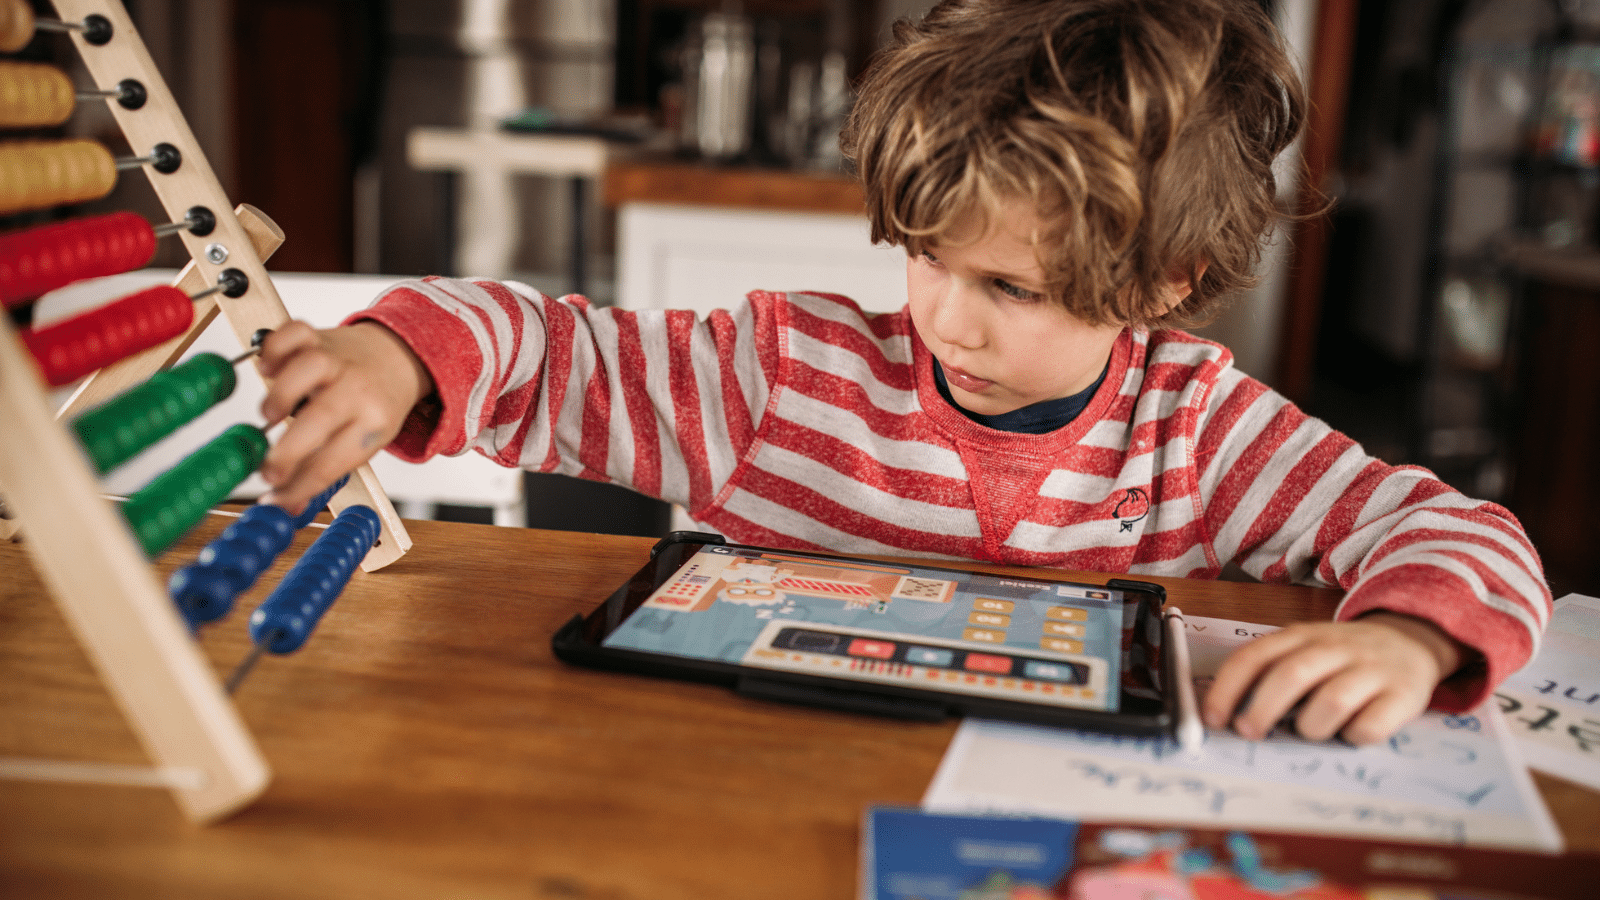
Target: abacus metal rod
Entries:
(129, 92)
(230, 283)
(96, 29)
(254, 349)
(242, 670)
(163, 157)
(197, 220)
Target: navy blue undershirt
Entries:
(1036, 418)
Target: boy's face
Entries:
(978, 306)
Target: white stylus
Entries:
(1191, 731)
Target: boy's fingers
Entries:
(279, 345)
(1242, 668)
(1337, 702)
(1346, 679)
(311, 370)
(1284, 685)
(1387, 713)
(340, 455)
(326, 440)
(1226, 692)
(312, 428)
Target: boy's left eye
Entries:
(1014, 292)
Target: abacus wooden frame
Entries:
(85, 553)
(194, 183)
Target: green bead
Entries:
(118, 430)
(166, 508)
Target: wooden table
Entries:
(426, 744)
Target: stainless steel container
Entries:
(719, 84)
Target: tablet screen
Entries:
(1007, 638)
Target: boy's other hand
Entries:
(1360, 680)
(349, 390)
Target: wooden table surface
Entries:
(426, 744)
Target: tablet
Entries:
(911, 641)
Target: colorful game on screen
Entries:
(968, 633)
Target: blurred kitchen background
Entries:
(680, 152)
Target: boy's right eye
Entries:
(929, 258)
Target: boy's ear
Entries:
(1180, 283)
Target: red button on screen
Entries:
(874, 649)
(984, 662)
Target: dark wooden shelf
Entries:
(1577, 267)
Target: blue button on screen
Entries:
(1043, 671)
(928, 656)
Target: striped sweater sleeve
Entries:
(661, 402)
(1290, 499)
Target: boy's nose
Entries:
(957, 318)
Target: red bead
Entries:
(39, 260)
(74, 347)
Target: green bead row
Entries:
(166, 508)
(115, 432)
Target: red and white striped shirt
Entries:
(799, 421)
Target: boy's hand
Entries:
(357, 384)
(1361, 680)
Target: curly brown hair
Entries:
(1144, 130)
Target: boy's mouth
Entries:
(964, 380)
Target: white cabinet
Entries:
(705, 258)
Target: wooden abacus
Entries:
(97, 567)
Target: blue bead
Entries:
(202, 594)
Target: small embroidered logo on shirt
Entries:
(1134, 505)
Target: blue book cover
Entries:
(912, 854)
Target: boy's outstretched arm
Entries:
(357, 384)
(1361, 680)
(1288, 499)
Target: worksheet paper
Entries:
(1552, 706)
(1444, 779)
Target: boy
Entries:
(1070, 180)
